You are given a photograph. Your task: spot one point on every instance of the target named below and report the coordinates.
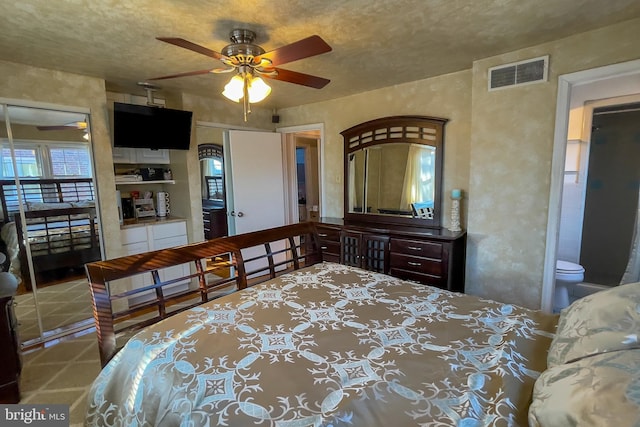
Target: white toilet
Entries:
(567, 275)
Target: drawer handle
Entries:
(323, 247)
(414, 248)
(414, 264)
(322, 235)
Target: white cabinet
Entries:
(147, 156)
(151, 237)
(125, 155)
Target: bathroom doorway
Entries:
(578, 94)
(611, 193)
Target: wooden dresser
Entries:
(10, 363)
(433, 257)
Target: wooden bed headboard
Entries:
(215, 265)
(58, 238)
(43, 190)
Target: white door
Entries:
(255, 180)
(255, 189)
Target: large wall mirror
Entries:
(212, 181)
(393, 170)
(49, 221)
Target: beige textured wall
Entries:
(511, 152)
(447, 96)
(22, 82)
(498, 149)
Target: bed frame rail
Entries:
(65, 190)
(131, 292)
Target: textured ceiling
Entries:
(376, 43)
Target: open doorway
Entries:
(307, 178)
(304, 146)
(575, 92)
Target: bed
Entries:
(61, 225)
(312, 343)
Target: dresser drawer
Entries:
(425, 279)
(329, 235)
(430, 266)
(417, 248)
(332, 248)
(331, 257)
(329, 239)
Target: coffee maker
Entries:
(127, 208)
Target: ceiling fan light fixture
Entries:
(257, 88)
(234, 90)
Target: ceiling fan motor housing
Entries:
(242, 45)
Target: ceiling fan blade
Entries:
(61, 127)
(68, 126)
(191, 46)
(299, 78)
(304, 48)
(188, 73)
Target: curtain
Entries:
(352, 182)
(632, 273)
(418, 180)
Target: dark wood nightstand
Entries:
(10, 362)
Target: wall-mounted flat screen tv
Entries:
(143, 126)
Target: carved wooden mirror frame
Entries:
(420, 130)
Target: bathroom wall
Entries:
(570, 234)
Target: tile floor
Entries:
(60, 305)
(61, 373)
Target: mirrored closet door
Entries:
(50, 223)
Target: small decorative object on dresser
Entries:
(456, 195)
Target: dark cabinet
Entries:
(365, 250)
(433, 257)
(215, 222)
(10, 363)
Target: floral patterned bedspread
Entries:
(329, 345)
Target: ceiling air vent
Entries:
(519, 73)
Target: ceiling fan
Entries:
(250, 61)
